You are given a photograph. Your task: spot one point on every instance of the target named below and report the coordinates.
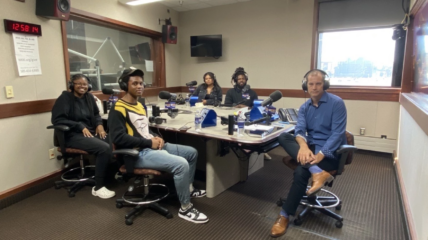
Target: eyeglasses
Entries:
(81, 84)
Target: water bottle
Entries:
(186, 100)
(241, 124)
(198, 121)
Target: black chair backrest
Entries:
(349, 141)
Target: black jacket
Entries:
(234, 97)
(76, 113)
(215, 95)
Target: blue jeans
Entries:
(176, 159)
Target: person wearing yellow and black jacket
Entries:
(129, 128)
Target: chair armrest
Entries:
(59, 127)
(128, 152)
(345, 148)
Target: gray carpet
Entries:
(371, 209)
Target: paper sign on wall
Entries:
(149, 66)
(27, 54)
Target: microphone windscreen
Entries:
(275, 96)
(164, 95)
(110, 91)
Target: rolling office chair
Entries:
(142, 199)
(75, 178)
(325, 199)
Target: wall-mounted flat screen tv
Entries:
(206, 46)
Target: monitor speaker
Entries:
(53, 9)
(169, 34)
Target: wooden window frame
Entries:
(159, 82)
(353, 92)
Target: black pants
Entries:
(95, 146)
(301, 173)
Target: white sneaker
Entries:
(267, 156)
(103, 193)
(192, 215)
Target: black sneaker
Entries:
(192, 215)
(198, 193)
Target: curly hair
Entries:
(238, 71)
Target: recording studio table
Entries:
(223, 167)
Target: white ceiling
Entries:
(187, 5)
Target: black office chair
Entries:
(75, 178)
(325, 199)
(150, 195)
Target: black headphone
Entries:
(123, 85)
(325, 79)
(157, 120)
(77, 76)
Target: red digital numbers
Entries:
(20, 27)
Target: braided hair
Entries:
(238, 71)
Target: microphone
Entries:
(192, 83)
(265, 117)
(273, 97)
(233, 104)
(167, 95)
(246, 88)
(111, 91)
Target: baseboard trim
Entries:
(29, 184)
(410, 225)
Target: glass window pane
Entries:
(102, 53)
(357, 58)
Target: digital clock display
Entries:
(22, 27)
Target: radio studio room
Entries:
(214, 119)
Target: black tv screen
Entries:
(206, 46)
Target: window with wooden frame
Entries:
(102, 48)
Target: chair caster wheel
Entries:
(119, 205)
(57, 186)
(339, 224)
(279, 203)
(168, 216)
(339, 207)
(129, 222)
(71, 194)
(298, 221)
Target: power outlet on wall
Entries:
(52, 153)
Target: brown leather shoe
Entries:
(318, 181)
(280, 227)
(289, 162)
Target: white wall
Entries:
(272, 40)
(413, 155)
(25, 141)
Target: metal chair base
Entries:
(321, 202)
(146, 199)
(76, 178)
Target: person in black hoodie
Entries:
(209, 92)
(77, 109)
(240, 95)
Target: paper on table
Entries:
(149, 65)
(255, 127)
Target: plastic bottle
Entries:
(198, 120)
(241, 124)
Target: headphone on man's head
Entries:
(123, 85)
(325, 79)
(74, 78)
